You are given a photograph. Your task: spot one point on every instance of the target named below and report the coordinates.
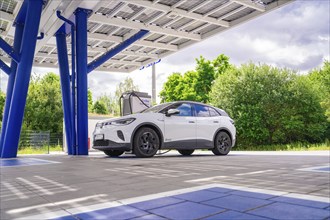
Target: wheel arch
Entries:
(224, 130)
(150, 125)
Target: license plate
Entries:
(99, 137)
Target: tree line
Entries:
(270, 105)
(43, 111)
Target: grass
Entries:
(286, 147)
(39, 150)
(274, 147)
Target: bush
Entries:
(270, 105)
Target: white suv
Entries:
(183, 125)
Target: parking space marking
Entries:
(155, 173)
(19, 162)
(320, 169)
(242, 199)
(14, 190)
(252, 173)
(206, 179)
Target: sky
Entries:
(296, 36)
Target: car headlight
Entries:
(99, 125)
(232, 121)
(125, 121)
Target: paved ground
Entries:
(240, 185)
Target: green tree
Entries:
(43, 109)
(99, 107)
(321, 78)
(270, 105)
(194, 85)
(2, 104)
(172, 88)
(125, 86)
(90, 100)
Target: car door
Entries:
(207, 123)
(180, 129)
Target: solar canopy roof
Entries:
(173, 25)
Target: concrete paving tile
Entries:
(70, 217)
(233, 215)
(252, 194)
(201, 195)
(186, 210)
(303, 202)
(121, 212)
(219, 190)
(156, 203)
(237, 203)
(287, 211)
(19, 203)
(149, 217)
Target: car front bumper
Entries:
(110, 145)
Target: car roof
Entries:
(191, 102)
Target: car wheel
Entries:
(186, 152)
(113, 153)
(222, 144)
(146, 142)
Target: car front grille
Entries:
(101, 143)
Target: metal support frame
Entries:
(11, 80)
(4, 67)
(9, 50)
(82, 102)
(65, 86)
(153, 92)
(21, 84)
(98, 62)
(73, 83)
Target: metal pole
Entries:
(9, 50)
(82, 103)
(4, 67)
(65, 85)
(21, 85)
(153, 96)
(17, 45)
(73, 82)
(111, 53)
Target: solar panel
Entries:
(173, 25)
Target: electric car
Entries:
(182, 125)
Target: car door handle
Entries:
(215, 121)
(191, 122)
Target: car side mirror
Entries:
(172, 112)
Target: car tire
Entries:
(222, 143)
(114, 153)
(186, 152)
(146, 142)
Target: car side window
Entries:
(202, 111)
(213, 112)
(185, 109)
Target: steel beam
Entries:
(98, 62)
(82, 102)
(21, 84)
(62, 53)
(4, 67)
(9, 50)
(11, 79)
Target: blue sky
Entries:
(295, 36)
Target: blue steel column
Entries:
(16, 111)
(65, 85)
(82, 103)
(17, 46)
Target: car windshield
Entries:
(156, 108)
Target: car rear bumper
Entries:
(110, 145)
